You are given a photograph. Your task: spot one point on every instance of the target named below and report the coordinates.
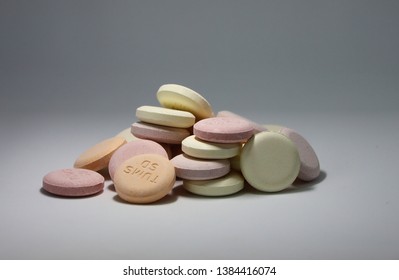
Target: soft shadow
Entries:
(169, 198)
(46, 193)
(104, 172)
(296, 187)
(306, 184)
(181, 191)
(111, 187)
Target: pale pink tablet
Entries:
(190, 168)
(257, 127)
(131, 149)
(73, 182)
(310, 167)
(159, 133)
(223, 130)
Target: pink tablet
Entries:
(223, 130)
(257, 127)
(159, 133)
(198, 169)
(310, 167)
(73, 182)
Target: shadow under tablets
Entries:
(46, 193)
(296, 187)
(179, 191)
(169, 198)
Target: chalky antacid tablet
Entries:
(182, 139)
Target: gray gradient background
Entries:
(73, 72)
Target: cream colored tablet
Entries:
(198, 148)
(235, 163)
(182, 98)
(144, 178)
(273, 127)
(127, 134)
(310, 167)
(270, 161)
(227, 185)
(165, 116)
(98, 156)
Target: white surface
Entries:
(350, 212)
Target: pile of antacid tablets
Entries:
(213, 155)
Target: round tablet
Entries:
(144, 178)
(198, 148)
(140, 146)
(159, 133)
(182, 98)
(73, 182)
(310, 167)
(257, 127)
(198, 169)
(235, 162)
(127, 134)
(226, 185)
(270, 161)
(223, 130)
(98, 156)
(273, 127)
(165, 116)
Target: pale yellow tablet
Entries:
(235, 163)
(127, 134)
(226, 185)
(165, 116)
(198, 148)
(182, 98)
(270, 161)
(273, 127)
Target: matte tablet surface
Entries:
(270, 161)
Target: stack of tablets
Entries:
(204, 165)
(182, 138)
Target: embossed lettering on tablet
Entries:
(145, 171)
